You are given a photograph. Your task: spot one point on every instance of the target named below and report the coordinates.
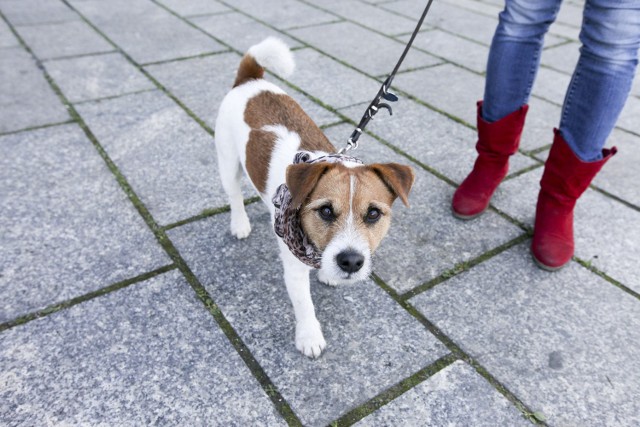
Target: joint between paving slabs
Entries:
(393, 392)
(459, 353)
(588, 265)
(62, 305)
(207, 213)
(30, 128)
(243, 351)
(81, 55)
(185, 58)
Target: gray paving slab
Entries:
(330, 81)
(372, 343)
(455, 396)
(635, 88)
(26, 99)
(27, 12)
(159, 35)
(566, 343)
(606, 231)
(570, 14)
(483, 7)
(430, 137)
(282, 14)
(239, 31)
(363, 49)
(551, 85)
(166, 156)
(7, 39)
(60, 39)
(96, 76)
(202, 83)
(420, 227)
(630, 116)
(542, 117)
(446, 87)
(68, 228)
(562, 58)
(194, 7)
(622, 168)
(147, 354)
(369, 16)
(454, 49)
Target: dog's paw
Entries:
(309, 339)
(240, 226)
(322, 278)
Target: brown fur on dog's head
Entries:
(347, 207)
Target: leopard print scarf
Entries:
(287, 223)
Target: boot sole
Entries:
(467, 217)
(546, 267)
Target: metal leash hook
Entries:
(383, 92)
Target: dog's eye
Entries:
(373, 215)
(326, 213)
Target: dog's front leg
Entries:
(309, 338)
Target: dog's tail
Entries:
(270, 53)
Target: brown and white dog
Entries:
(344, 208)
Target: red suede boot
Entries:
(496, 142)
(564, 180)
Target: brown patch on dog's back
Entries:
(260, 145)
(268, 108)
(249, 69)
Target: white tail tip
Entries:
(274, 55)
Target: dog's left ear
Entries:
(302, 179)
(399, 178)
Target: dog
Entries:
(343, 207)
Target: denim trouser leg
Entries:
(515, 55)
(602, 79)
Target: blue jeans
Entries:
(601, 82)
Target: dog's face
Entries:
(346, 211)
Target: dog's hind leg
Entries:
(309, 338)
(231, 177)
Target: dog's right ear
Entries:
(302, 179)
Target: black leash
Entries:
(375, 105)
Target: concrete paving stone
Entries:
(622, 168)
(630, 116)
(551, 85)
(99, 76)
(159, 36)
(484, 8)
(606, 231)
(27, 12)
(452, 48)
(372, 342)
(369, 16)
(562, 58)
(542, 117)
(194, 7)
(455, 396)
(430, 137)
(239, 31)
(68, 228)
(635, 88)
(566, 343)
(165, 155)
(570, 14)
(70, 38)
(283, 14)
(146, 355)
(446, 87)
(365, 50)
(566, 31)
(420, 227)
(7, 39)
(331, 82)
(551, 40)
(26, 99)
(202, 83)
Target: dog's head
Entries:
(345, 210)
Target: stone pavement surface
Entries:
(124, 300)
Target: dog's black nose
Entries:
(350, 261)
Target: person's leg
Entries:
(598, 90)
(602, 79)
(511, 69)
(515, 55)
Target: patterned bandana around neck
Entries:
(287, 223)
